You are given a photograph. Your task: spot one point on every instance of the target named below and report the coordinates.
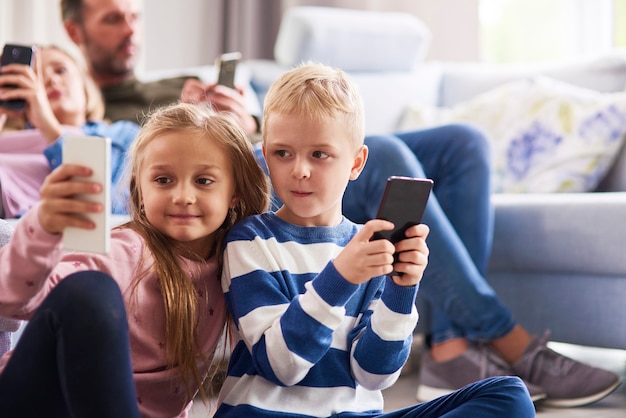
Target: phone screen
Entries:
(403, 203)
(16, 54)
(227, 64)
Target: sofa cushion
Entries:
(353, 40)
(546, 135)
(462, 81)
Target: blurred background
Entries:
(186, 33)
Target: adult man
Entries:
(473, 334)
(108, 35)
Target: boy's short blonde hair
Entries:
(317, 91)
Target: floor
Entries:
(403, 392)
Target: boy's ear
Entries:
(359, 162)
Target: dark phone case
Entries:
(16, 54)
(403, 203)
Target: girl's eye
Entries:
(61, 70)
(205, 181)
(282, 153)
(319, 154)
(162, 180)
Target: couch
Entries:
(7, 326)
(559, 239)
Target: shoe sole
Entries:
(572, 403)
(428, 393)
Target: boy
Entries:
(323, 326)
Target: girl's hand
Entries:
(59, 206)
(412, 256)
(363, 258)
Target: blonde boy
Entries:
(323, 326)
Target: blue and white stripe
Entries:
(312, 343)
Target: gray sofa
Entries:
(558, 258)
(7, 326)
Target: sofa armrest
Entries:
(576, 233)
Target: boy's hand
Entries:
(363, 258)
(412, 256)
(59, 208)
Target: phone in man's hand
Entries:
(227, 64)
(16, 54)
(403, 203)
(93, 152)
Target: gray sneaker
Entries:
(567, 382)
(477, 363)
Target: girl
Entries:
(61, 99)
(193, 175)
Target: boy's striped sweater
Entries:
(312, 344)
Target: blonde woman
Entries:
(60, 99)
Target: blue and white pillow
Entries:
(546, 135)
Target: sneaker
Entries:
(477, 363)
(567, 382)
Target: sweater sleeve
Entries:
(26, 262)
(287, 333)
(34, 262)
(384, 344)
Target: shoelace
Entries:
(490, 363)
(542, 359)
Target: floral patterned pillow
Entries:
(546, 135)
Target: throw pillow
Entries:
(546, 135)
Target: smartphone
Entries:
(16, 54)
(227, 64)
(93, 152)
(403, 203)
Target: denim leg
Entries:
(457, 158)
(495, 397)
(460, 218)
(73, 358)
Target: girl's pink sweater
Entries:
(34, 262)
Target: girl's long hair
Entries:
(180, 297)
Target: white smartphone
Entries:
(227, 64)
(93, 152)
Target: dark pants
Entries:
(73, 358)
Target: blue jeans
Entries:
(495, 397)
(73, 358)
(460, 217)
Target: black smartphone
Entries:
(403, 203)
(227, 64)
(16, 54)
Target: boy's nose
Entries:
(300, 169)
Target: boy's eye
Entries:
(61, 70)
(319, 154)
(282, 153)
(162, 180)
